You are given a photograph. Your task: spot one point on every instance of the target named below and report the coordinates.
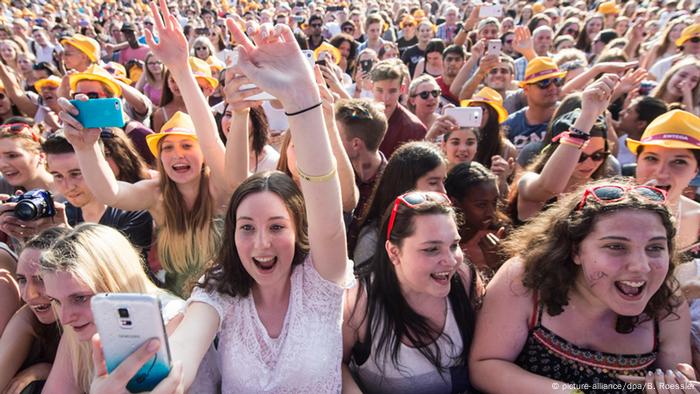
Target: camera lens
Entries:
(26, 210)
(123, 313)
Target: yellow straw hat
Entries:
(202, 71)
(50, 81)
(85, 45)
(215, 64)
(326, 47)
(541, 68)
(99, 74)
(490, 97)
(688, 33)
(675, 129)
(180, 124)
(118, 71)
(608, 8)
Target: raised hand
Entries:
(78, 136)
(171, 48)
(522, 41)
(596, 97)
(276, 65)
(235, 97)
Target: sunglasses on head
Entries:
(91, 95)
(612, 193)
(544, 84)
(414, 200)
(428, 93)
(18, 128)
(595, 156)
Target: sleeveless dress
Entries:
(547, 354)
(305, 358)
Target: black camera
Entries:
(34, 204)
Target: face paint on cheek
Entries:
(593, 277)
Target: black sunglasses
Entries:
(426, 94)
(595, 156)
(544, 84)
(316, 25)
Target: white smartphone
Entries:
(493, 47)
(309, 55)
(125, 322)
(487, 11)
(466, 116)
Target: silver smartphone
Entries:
(491, 11)
(466, 116)
(126, 321)
(493, 47)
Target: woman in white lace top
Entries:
(274, 293)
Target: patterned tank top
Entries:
(547, 354)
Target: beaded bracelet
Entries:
(578, 133)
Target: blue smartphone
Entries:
(98, 113)
(125, 322)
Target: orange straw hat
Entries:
(688, 33)
(118, 71)
(675, 129)
(608, 8)
(50, 81)
(326, 47)
(490, 97)
(541, 68)
(99, 74)
(202, 71)
(180, 124)
(84, 44)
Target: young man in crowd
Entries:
(452, 61)
(387, 87)
(633, 121)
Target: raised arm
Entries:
(100, 179)
(466, 71)
(172, 51)
(277, 66)
(15, 344)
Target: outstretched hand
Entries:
(275, 64)
(78, 136)
(171, 48)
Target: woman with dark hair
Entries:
(431, 63)
(591, 27)
(348, 51)
(418, 165)
(473, 190)
(262, 156)
(126, 164)
(589, 298)
(274, 292)
(408, 326)
(171, 102)
(573, 158)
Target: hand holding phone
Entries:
(99, 113)
(126, 323)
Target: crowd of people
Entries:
(296, 184)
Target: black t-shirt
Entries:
(412, 56)
(137, 226)
(403, 44)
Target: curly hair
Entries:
(547, 243)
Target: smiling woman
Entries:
(21, 160)
(592, 277)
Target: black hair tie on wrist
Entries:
(303, 110)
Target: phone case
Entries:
(466, 116)
(494, 47)
(98, 113)
(487, 11)
(122, 333)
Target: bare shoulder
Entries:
(690, 208)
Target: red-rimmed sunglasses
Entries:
(18, 128)
(611, 193)
(414, 200)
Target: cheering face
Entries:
(265, 238)
(673, 169)
(31, 286)
(479, 205)
(71, 297)
(17, 165)
(182, 158)
(624, 261)
(427, 260)
(7, 52)
(460, 146)
(685, 76)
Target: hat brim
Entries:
(79, 46)
(500, 110)
(152, 140)
(558, 74)
(41, 84)
(112, 85)
(633, 145)
(682, 39)
(213, 82)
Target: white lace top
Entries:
(307, 355)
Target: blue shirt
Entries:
(520, 133)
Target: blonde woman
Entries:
(665, 45)
(151, 81)
(681, 85)
(87, 260)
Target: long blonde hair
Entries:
(660, 90)
(187, 239)
(104, 260)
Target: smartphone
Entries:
(466, 116)
(366, 65)
(125, 321)
(487, 11)
(493, 47)
(258, 97)
(100, 112)
(309, 54)
(298, 18)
